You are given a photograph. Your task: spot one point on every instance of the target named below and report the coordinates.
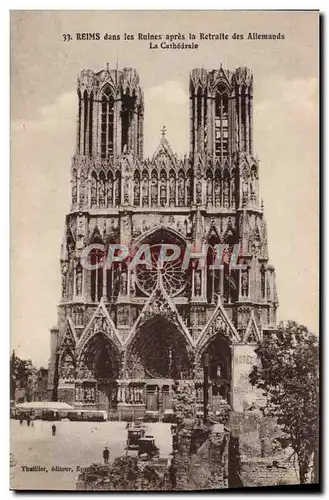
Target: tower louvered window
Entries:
(221, 124)
(107, 123)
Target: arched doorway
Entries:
(98, 372)
(159, 355)
(217, 355)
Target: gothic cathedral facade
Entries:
(125, 335)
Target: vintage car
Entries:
(147, 449)
(134, 435)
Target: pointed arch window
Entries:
(128, 112)
(263, 281)
(181, 188)
(213, 274)
(96, 275)
(107, 123)
(85, 122)
(221, 122)
(137, 188)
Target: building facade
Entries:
(126, 334)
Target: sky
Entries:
(44, 72)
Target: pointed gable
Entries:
(100, 322)
(163, 152)
(213, 231)
(96, 235)
(252, 334)
(69, 337)
(160, 304)
(218, 324)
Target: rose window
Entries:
(174, 278)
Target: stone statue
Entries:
(181, 191)
(82, 187)
(226, 200)
(244, 283)
(110, 192)
(136, 191)
(64, 280)
(217, 191)
(132, 283)
(93, 197)
(163, 192)
(172, 194)
(188, 190)
(74, 189)
(101, 193)
(232, 192)
(209, 190)
(197, 278)
(244, 192)
(154, 191)
(116, 191)
(198, 192)
(145, 187)
(78, 280)
(126, 192)
(123, 283)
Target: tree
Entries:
(288, 373)
(21, 372)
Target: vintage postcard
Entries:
(164, 250)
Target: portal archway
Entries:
(217, 355)
(98, 371)
(161, 351)
(159, 355)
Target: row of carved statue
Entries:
(163, 191)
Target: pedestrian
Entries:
(53, 430)
(20, 420)
(106, 455)
(28, 420)
(32, 424)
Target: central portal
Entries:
(158, 356)
(160, 350)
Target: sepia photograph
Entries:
(164, 250)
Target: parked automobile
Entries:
(134, 435)
(147, 448)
